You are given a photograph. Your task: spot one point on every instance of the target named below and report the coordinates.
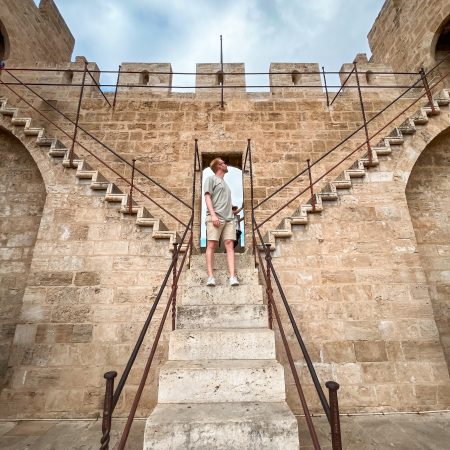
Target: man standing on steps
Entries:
(219, 220)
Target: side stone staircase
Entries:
(84, 172)
(330, 192)
(221, 387)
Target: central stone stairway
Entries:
(221, 387)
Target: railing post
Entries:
(335, 424)
(221, 72)
(117, 84)
(313, 198)
(427, 88)
(195, 168)
(252, 206)
(326, 87)
(71, 151)
(369, 148)
(130, 196)
(107, 410)
(174, 285)
(269, 289)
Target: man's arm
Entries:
(209, 205)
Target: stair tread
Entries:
(167, 413)
(214, 364)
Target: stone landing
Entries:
(221, 387)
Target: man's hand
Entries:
(215, 221)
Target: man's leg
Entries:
(210, 248)
(229, 247)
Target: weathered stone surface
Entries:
(225, 343)
(222, 316)
(221, 381)
(222, 425)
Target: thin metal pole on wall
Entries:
(80, 99)
(221, 73)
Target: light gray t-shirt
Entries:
(220, 197)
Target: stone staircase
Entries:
(221, 387)
(83, 172)
(385, 147)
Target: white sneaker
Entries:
(234, 281)
(211, 281)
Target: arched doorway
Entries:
(442, 48)
(428, 197)
(234, 180)
(4, 43)
(22, 198)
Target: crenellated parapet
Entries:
(210, 77)
(288, 78)
(152, 78)
(377, 76)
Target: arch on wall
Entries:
(4, 43)
(22, 195)
(441, 40)
(38, 154)
(428, 199)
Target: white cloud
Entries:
(256, 32)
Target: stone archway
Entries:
(440, 48)
(22, 198)
(428, 197)
(4, 43)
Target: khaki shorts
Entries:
(226, 229)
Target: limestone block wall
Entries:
(359, 290)
(428, 199)
(93, 278)
(160, 132)
(405, 33)
(34, 34)
(94, 272)
(22, 197)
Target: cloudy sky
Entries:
(184, 32)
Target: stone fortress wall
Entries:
(367, 277)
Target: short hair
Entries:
(214, 164)
(234, 207)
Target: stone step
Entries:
(231, 426)
(243, 294)
(214, 381)
(222, 343)
(221, 316)
(199, 277)
(242, 261)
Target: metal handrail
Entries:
(111, 396)
(119, 175)
(344, 159)
(126, 431)
(165, 72)
(298, 386)
(409, 88)
(167, 191)
(332, 416)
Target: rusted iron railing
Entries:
(269, 272)
(112, 397)
(76, 141)
(217, 85)
(366, 143)
(331, 408)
